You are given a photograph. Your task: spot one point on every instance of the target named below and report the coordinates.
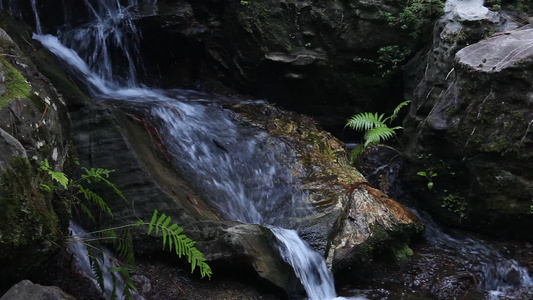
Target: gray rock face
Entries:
(506, 51)
(34, 126)
(480, 132)
(289, 52)
(26, 290)
(430, 72)
(9, 149)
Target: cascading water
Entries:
(489, 266)
(244, 181)
(79, 250)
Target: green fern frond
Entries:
(93, 197)
(46, 187)
(100, 175)
(97, 271)
(397, 111)
(365, 121)
(60, 177)
(379, 134)
(181, 244)
(128, 282)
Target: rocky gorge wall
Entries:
(469, 121)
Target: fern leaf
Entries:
(180, 243)
(397, 111)
(91, 196)
(365, 121)
(164, 233)
(159, 222)
(97, 271)
(60, 177)
(46, 188)
(379, 134)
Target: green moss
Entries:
(403, 252)
(15, 184)
(15, 85)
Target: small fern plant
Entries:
(375, 128)
(119, 236)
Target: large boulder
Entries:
(34, 127)
(479, 139)
(27, 290)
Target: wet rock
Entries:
(352, 220)
(34, 126)
(27, 290)
(479, 138)
(285, 51)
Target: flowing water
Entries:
(239, 168)
(79, 249)
(496, 275)
(243, 179)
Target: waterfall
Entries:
(239, 168)
(37, 19)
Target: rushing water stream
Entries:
(247, 182)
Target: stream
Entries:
(245, 182)
(242, 180)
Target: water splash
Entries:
(108, 41)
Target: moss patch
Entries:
(29, 230)
(15, 86)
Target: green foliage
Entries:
(119, 236)
(182, 244)
(403, 252)
(429, 176)
(16, 87)
(520, 6)
(375, 128)
(456, 204)
(390, 58)
(417, 15)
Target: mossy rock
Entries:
(31, 229)
(14, 86)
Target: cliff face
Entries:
(469, 123)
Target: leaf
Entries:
(180, 243)
(421, 173)
(397, 111)
(93, 197)
(97, 271)
(365, 121)
(430, 185)
(45, 187)
(151, 226)
(379, 134)
(434, 174)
